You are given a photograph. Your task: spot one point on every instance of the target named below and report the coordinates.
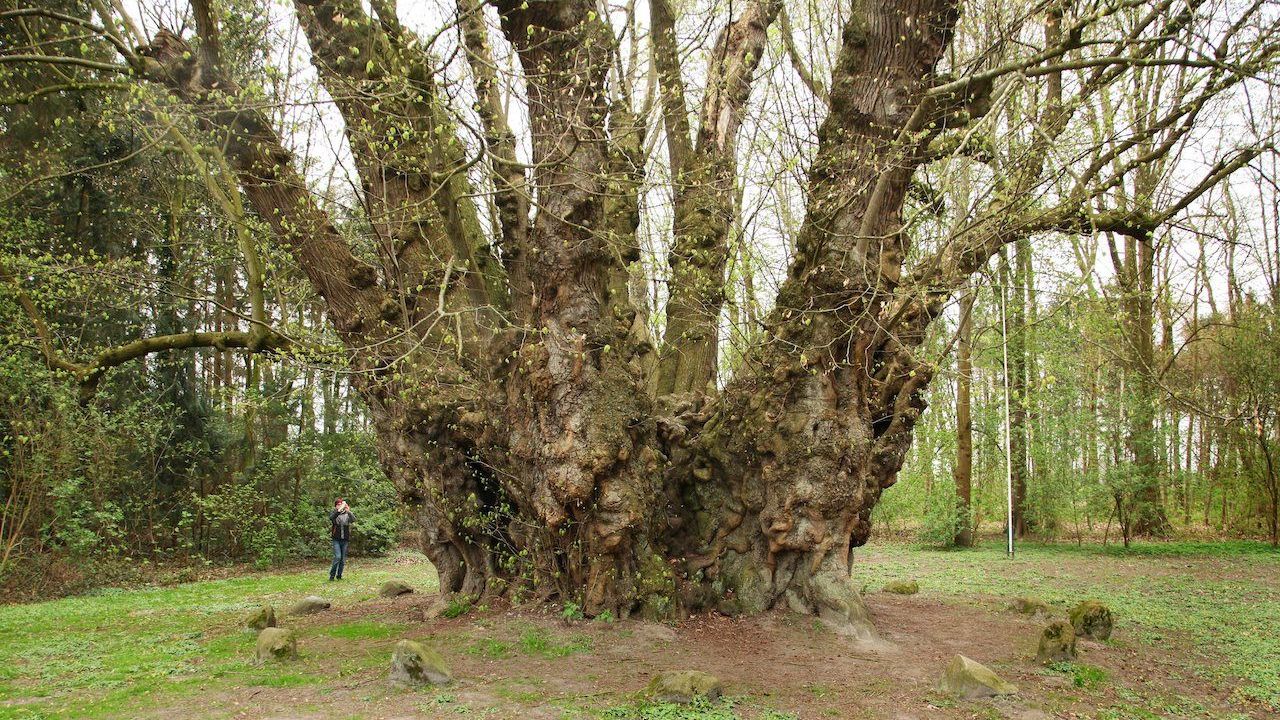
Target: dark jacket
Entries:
(340, 524)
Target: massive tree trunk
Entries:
(509, 372)
(522, 430)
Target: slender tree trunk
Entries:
(1267, 474)
(964, 422)
(1093, 447)
(1148, 515)
(1031, 372)
(1017, 340)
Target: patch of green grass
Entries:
(528, 692)
(699, 709)
(1127, 712)
(116, 652)
(1227, 549)
(1222, 597)
(490, 648)
(458, 606)
(540, 641)
(1082, 675)
(938, 699)
(571, 612)
(1188, 549)
(725, 708)
(439, 699)
(1175, 706)
(819, 690)
(531, 640)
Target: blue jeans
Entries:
(339, 559)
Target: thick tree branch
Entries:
(705, 198)
(26, 59)
(88, 374)
(802, 68)
(279, 195)
(411, 162)
(666, 61)
(511, 184)
(803, 404)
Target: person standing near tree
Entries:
(340, 520)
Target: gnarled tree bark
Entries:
(552, 465)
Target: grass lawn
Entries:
(112, 652)
(1212, 610)
(1222, 598)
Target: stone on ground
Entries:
(969, 679)
(683, 686)
(308, 605)
(1057, 643)
(414, 664)
(394, 588)
(1092, 619)
(277, 644)
(1031, 606)
(262, 618)
(902, 587)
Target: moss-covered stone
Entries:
(1057, 643)
(412, 663)
(968, 679)
(308, 605)
(261, 619)
(683, 686)
(277, 644)
(1031, 606)
(902, 587)
(394, 588)
(1092, 619)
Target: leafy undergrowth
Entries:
(100, 655)
(1081, 674)
(724, 709)
(445, 702)
(1223, 597)
(532, 641)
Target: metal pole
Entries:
(1008, 442)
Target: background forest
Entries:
(208, 455)
(1142, 375)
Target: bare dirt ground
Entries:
(781, 664)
